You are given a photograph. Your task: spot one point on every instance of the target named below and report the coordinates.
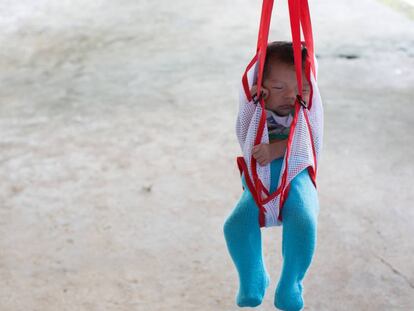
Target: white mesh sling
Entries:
(306, 133)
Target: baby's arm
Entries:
(277, 148)
(266, 153)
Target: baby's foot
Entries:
(253, 295)
(289, 298)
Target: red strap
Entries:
(243, 168)
(244, 79)
(262, 40)
(294, 13)
(307, 31)
(262, 43)
(294, 9)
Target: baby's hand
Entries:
(262, 154)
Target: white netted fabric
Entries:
(306, 136)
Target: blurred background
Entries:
(118, 154)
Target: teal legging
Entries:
(243, 238)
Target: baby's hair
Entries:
(281, 51)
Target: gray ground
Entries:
(118, 149)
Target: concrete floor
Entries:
(118, 149)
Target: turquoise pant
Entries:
(243, 238)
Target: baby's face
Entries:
(282, 86)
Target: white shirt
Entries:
(278, 124)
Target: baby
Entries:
(279, 90)
(241, 228)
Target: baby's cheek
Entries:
(275, 101)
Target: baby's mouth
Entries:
(286, 108)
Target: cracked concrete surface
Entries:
(118, 154)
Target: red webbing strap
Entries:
(299, 16)
(262, 40)
(244, 79)
(307, 32)
(262, 43)
(262, 36)
(243, 169)
(262, 22)
(294, 13)
(294, 9)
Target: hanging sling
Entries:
(306, 133)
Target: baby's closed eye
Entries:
(277, 86)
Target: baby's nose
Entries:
(291, 93)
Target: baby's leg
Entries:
(244, 242)
(299, 215)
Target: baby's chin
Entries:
(282, 113)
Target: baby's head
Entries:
(279, 78)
